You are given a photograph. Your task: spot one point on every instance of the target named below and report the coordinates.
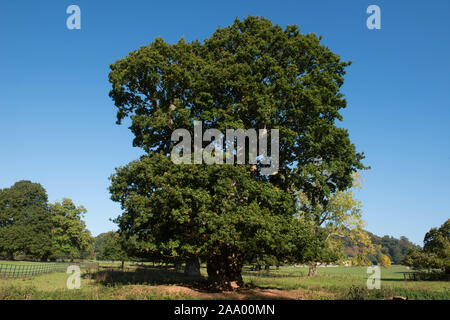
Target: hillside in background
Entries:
(394, 248)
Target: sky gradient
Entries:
(57, 123)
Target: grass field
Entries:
(148, 282)
(350, 282)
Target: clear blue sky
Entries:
(57, 123)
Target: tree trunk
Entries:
(267, 267)
(9, 255)
(312, 270)
(192, 268)
(177, 265)
(44, 258)
(123, 264)
(225, 268)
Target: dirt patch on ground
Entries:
(181, 292)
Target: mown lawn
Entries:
(331, 283)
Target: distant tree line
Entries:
(384, 247)
(32, 227)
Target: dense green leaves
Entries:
(25, 223)
(249, 75)
(185, 210)
(30, 225)
(70, 238)
(435, 252)
(108, 246)
(394, 249)
(252, 74)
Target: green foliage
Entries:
(436, 250)
(437, 241)
(337, 217)
(35, 228)
(185, 210)
(70, 238)
(356, 293)
(25, 225)
(108, 246)
(394, 249)
(252, 74)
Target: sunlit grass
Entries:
(340, 279)
(339, 282)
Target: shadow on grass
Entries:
(266, 274)
(148, 276)
(152, 276)
(393, 279)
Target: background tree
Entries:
(251, 74)
(110, 246)
(366, 250)
(25, 222)
(70, 238)
(98, 245)
(107, 247)
(385, 261)
(395, 249)
(436, 250)
(338, 217)
(31, 226)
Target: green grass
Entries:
(336, 282)
(54, 287)
(343, 280)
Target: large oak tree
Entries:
(252, 74)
